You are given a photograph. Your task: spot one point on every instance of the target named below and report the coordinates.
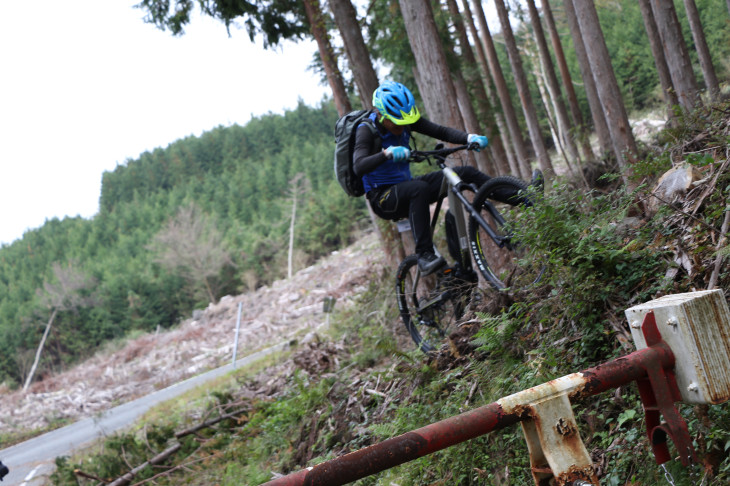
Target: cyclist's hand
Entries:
(478, 141)
(397, 153)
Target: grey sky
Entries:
(86, 85)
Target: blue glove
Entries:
(397, 153)
(478, 139)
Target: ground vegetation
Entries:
(362, 382)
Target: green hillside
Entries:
(234, 184)
(362, 382)
(129, 269)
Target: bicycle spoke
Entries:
(430, 306)
(502, 260)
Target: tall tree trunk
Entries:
(389, 238)
(470, 74)
(327, 54)
(366, 80)
(600, 125)
(580, 126)
(557, 131)
(676, 53)
(547, 101)
(435, 83)
(468, 115)
(39, 351)
(431, 72)
(624, 144)
(528, 107)
(471, 124)
(553, 86)
(655, 41)
(421, 81)
(703, 52)
(500, 83)
(356, 50)
(487, 110)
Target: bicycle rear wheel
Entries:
(430, 306)
(505, 264)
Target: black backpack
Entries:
(345, 129)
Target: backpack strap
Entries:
(377, 139)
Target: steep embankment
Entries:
(284, 310)
(332, 397)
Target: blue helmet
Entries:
(396, 103)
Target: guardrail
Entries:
(683, 354)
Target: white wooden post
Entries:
(238, 326)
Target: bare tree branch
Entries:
(191, 246)
(66, 294)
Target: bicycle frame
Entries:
(432, 304)
(453, 187)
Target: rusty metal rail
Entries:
(696, 325)
(502, 413)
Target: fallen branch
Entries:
(169, 471)
(710, 187)
(127, 478)
(209, 423)
(375, 392)
(718, 261)
(679, 210)
(471, 393)
(721, 241)
(79, 472)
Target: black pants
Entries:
(412, 198)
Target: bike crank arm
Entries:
(439, 299)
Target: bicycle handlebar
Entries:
(439, 153)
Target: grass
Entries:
(359, 385)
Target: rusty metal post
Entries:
(697, 325)
(658, 392)
(403, 448)
(505, 412)
(555, 446)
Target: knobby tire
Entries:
(430, 306)
(511, 266)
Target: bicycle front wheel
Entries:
(430, 306)
(501, 259)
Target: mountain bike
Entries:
(431, 305)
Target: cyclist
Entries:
(392, 191)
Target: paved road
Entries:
(32, 461)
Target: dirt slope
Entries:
(271, 314)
